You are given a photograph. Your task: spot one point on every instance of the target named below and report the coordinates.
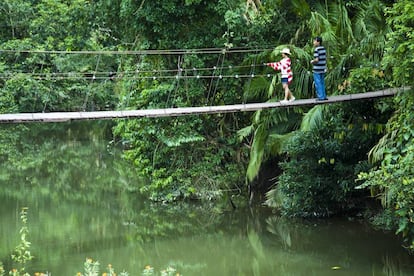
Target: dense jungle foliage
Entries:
(103, 55)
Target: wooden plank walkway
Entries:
(182, 111)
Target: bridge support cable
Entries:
(185, 111)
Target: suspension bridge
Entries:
(183, 111)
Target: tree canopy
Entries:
(102, 55)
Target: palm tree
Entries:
(350, 40)
(272, 128)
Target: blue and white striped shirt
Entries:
(320, 66)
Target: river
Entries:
(128, 233)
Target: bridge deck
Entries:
(182, 111)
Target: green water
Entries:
(130, 233)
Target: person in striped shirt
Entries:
(319, 68)
(286, 74)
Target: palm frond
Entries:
(376, 154)
(275, 143)
(256, 152)
(257, 117)
(245, 132)
(371, 28)
(370, 19)
(274, 198)
(257, 88)
(313, 118)
(320, 25)
(271, 92)
(339, 18)
(302, 84)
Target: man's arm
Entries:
(315, 60)
(316, 57)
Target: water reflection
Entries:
(340, 246)
(107, 220)
(196, 241)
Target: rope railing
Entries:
(185, 111)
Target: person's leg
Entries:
(317, 78)
(290, 95)
(322, 88)
(287, 91)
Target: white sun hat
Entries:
(285, 51)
